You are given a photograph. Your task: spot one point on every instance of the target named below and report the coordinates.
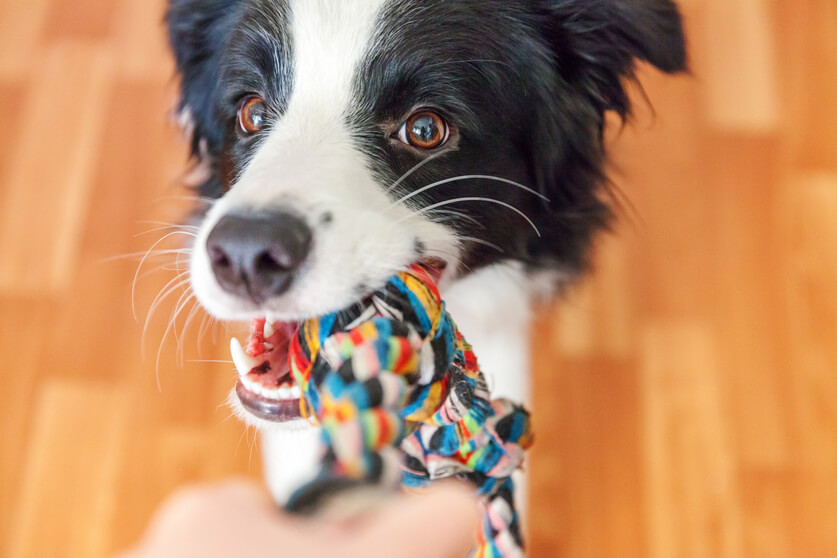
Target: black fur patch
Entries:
(527, 85)
(226, 50)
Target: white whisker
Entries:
(196, 307)
(164, 293)
(169, 328)
(468, 177)
(178, 308)
(165, 228)
(210, 361)
(139, 267)
(162, 267)
(176, 225)
(230, 415)
(406, 175)
(252, 445)
(481, 241)
(202, 199)
(473, 199)
(206, 323)
(460, 215)
(135, 255)
(238, 445)
(214, 332)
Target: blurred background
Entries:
(686, 392)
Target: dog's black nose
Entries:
(255, 256)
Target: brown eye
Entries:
(425, 130)
(252, 114)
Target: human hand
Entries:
(236, 519)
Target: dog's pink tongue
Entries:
(255, 345)
(265, 358)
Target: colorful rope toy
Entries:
(401, 399)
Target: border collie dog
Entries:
(344, 140)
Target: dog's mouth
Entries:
(265, 387)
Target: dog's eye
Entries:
(252, 114)
(424, 129)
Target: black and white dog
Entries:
(347, 139)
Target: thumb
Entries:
(438, 524)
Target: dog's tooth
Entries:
(268, 327)
(251, 386)
(296, 392)
(283, 393)
(243, 362)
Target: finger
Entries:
(440, 523)
(213, 520)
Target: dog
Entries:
(343, 140)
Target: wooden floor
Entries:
(687, 392)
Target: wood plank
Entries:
(807, 45)
(12, 99)
(56, 153)
(813, 202)
(21, 29)
(663, 232)
(769, 514)
(750, 252)
(166, 453)
(22, 323)
(813, 513)
(740, 74)
(596, 316)
(586, 463)
(139, 38)
(693, 506)
(80, 19)
(70, 470)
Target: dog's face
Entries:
(344, 136)
(346, 139)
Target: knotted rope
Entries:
(394, 373)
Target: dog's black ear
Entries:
(596, 43)
(198, 31)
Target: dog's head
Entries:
(347, 139)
